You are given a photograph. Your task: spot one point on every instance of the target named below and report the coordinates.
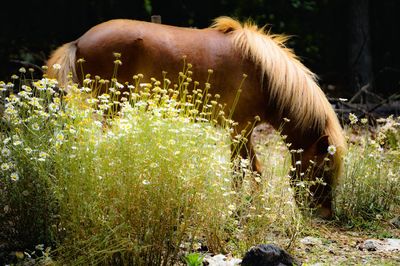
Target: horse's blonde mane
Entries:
(291, 85)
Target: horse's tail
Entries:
(62, 63)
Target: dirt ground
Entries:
(336, 245)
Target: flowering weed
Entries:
(370, 186)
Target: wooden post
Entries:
(156, 19)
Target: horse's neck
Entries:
(299, 138)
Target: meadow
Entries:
(142, 173)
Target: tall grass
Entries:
(138, 173)
(29, 126)
(140, 184)
(370, 187)
(115, 177)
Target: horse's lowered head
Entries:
(320, 162)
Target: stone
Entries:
(268, 255)
(311, 241)
(389, 244)
(220, 260)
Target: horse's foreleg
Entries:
(317, 196)
(322, 199)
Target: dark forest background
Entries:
(348, 43)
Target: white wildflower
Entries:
(331, 149)
(57, 66)
(42, 156)
(5, 166)
(53, 107)
(353, 118)
(14, 176)
(35, 126)
(17, 143)
(364, 121)
(5, 152)
(98, 123)
(60, 137)
(231, 207)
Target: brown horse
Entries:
(278, 85)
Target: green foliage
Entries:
(193, 259)
(148, 6)
(129, 175)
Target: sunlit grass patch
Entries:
(144, 182)
(140, 173)
(125, 175)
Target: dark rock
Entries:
(370, 245)
(268, 255)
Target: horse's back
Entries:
(150, 48)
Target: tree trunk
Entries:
(359, 57)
